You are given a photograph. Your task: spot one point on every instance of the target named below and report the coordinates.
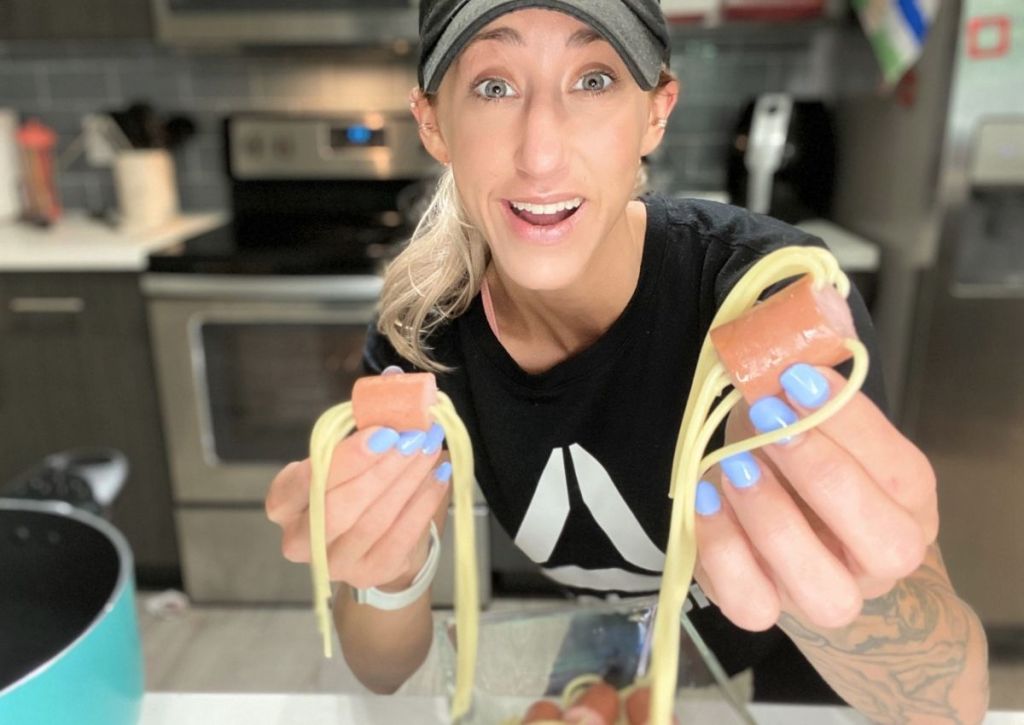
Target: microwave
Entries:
(286, 22)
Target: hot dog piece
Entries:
(638, 707)
(543, 711)
(797, 324)
(401, 402)
(599, 705)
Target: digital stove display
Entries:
(356, 135)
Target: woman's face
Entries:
(540, 111)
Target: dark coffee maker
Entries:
(782, 160)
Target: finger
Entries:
(295, 540)
(818, 582)
(742, 589)
(391, 552)
(413, 456)
(897, 465)
(883, 536)
(288, 495)
(347, 552)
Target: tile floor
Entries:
(264, 649)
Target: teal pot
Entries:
(69, 642)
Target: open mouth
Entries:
(545, 215)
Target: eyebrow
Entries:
(504, 34)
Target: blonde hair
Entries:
(435, 278)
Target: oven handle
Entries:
(325, 288)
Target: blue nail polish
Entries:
(382, 440)
(805, 385)
(770, 413)
(443, 472)
(708, 501)
(410, 442)
(742, 470)
(391, 370)
(435, 437)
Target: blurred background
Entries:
(197, 198)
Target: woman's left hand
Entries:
(816, 526)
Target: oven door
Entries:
(245, 366)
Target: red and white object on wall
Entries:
(692, 11)
(773, 10)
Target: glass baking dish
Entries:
(525, 656)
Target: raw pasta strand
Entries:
(332, 427)
(689, 462)
(467, 604)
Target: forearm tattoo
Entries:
(900, 660)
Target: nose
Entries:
(542, 146)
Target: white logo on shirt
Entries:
(548, 511)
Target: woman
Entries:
(564, 318)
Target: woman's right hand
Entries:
(383, 489)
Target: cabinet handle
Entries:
(47, 305)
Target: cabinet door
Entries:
(75, 370)
(62, 20)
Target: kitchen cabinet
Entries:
(62, 20)
(75, 370)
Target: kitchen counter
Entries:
(79, 243)
(282, 709)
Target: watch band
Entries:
(391, 601)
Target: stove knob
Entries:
(253, 146)
(283, 146)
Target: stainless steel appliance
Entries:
(274, 22)
(965, 392)
(258, 327)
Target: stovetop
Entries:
(278, 245)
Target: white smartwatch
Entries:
(391, 601)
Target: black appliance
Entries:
(782, 160)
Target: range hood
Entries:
(285, 22)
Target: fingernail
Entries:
(435, 437)
(410, 442)
(708, 501)
(443, 473)
(382, 440)
(770, 414)
(741, 470)
(806, 385)
(391, 370)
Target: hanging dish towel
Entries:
(897, 30)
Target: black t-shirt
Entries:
(575, 461)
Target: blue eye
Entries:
(494, 89)
(595, 82)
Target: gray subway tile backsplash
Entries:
(59, 82)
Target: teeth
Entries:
(547, 208)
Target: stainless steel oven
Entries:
(244, 367)
(258, 327)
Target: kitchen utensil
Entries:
(71, 649)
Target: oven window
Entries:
(267, 383)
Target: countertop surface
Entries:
(295, 709)
(78, 243)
